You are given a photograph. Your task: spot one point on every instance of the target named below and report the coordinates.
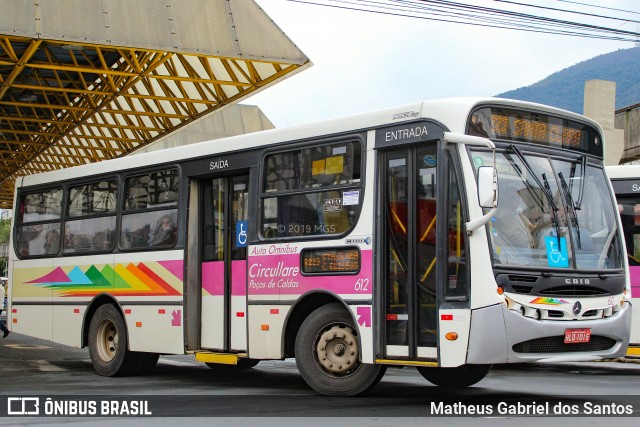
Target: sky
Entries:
(366, 61)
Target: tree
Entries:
(5, 230)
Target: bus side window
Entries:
(165, 233)
(44, 209)
(52, 243)
(314, 181)
(143, 225)
(334, 217)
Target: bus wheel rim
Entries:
(107, 340)
(337, 350)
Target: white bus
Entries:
(351, 245)
(626, 186)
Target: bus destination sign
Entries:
(330, 261)
(534, 127)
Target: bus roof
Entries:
(623, 171)
(451, 112)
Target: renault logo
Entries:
(577, 308)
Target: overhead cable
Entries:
(468, 14)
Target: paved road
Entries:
(274, 391)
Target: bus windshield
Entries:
(550, 213)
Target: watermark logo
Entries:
(76, 406)
(23, 406)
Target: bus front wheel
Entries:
(108, 344)
(458, 377)
(327, 354)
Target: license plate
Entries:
(573, 336)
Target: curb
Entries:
(629, 359)
(626, 359)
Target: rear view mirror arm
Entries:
(455, 138)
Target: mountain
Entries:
(565, 89)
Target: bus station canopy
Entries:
(84, 81)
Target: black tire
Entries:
(242, 364)
(458, 377)
(329, 334)
(108, 344)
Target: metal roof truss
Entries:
(66, 104)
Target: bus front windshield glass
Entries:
(552, 213)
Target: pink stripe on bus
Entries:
(174, 267)
(634, 272)
(239, 278)
(282, 274)
(213, 277)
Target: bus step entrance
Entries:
(220, 358)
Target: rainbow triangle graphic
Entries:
(131, 280)
(549, 301)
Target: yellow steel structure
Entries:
(66, 103)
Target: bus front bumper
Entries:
(500, 335)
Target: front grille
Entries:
(524, 283)
(522, 289)
(522, 278)
(557, 345)
(573, 291)
(555, 314)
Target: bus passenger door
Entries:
(224, 263)
(408, 252)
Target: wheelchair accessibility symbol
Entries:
(241, 233)
(556, 256)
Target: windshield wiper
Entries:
(546, 190)
(532, 192)
(583, 174)
(554, 208)
(571, 205)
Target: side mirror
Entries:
(487, 187)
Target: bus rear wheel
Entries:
(327, 354)
(458, 377)
(108, 345)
